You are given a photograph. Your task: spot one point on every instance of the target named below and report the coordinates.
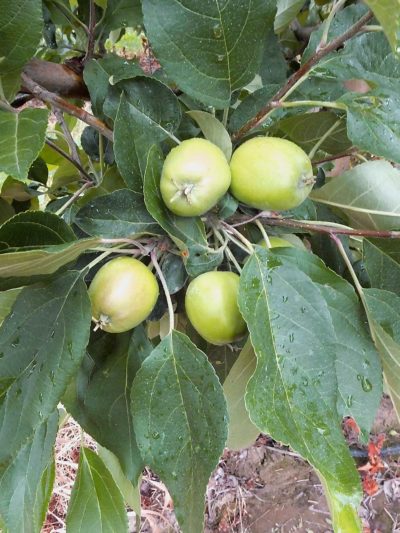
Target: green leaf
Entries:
(96, 502)
(307, 129)
(21, 139)
(187, 233)
(20, 32)
(250, 106)
(26, 486)
(130, 493)
(242, 432)
(340, 23)
(273, 66)
(7, 299)
(174, 273)
(179, 416)
(388, 14)
(148, 113)
(35, 228)
(99, 398)
(42, 343)
(96, 76)
(293, 393)
(119, 214)
(368, 194)
(122, 13)
(6, 211)
(382, 261)
(358, 370)
(209, 49)
(26, 264)
(287, 11)
(373, 122)
(384, 313)
(213, 130)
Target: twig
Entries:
(319, 228)
(299, 74)
(70, 109)
(91, 32)
(85, 176)
(75, 196)
(165, 287)
(73, 149)
(333, 157)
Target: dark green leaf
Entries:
(26, 486)
(35, 228)
(227, 206)
(209, 49)
(373, 122)
(384, 313)
(187, 233)
(42, 343)
(122, 13)
(39, 171)
(116, 215)
(179, 416)
(250, 106)
(96, 75)
(174, 273)
(20, 32)
(90, 144)
(369, 194)
(21, 138)
(148, 113)
(99, 399)
(307, 129)
(273, 66)
(382, 261)
(357, 365)
(293, 393)
(96, 502)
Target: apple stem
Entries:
(263, 233)
(156, 264)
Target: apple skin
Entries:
(122, 293)
(270, 173)
(212, 308)
(194, 177)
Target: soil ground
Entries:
(265, 488)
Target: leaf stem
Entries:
(300, 74)
(227, 251)
(328, 22)
(166, 291)
(230, 229)
(346, 259)
(225, 116)
(263, 233)
(325, 136)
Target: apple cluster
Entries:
(266, 173)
